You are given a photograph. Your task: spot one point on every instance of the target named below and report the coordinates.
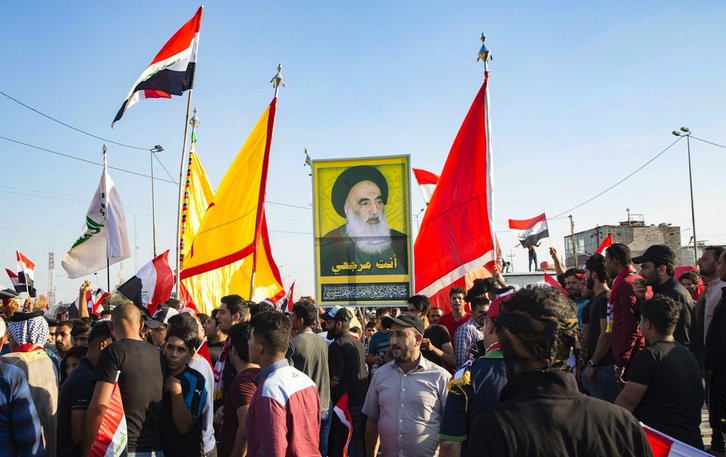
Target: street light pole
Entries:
(687, 133)
(152, 151)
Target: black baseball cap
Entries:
(659, 254)
(161, 317)
(404, 320)
(338, 313)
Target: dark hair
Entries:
(661, 311)
(481, 300)
(572, 271)
(202, 318)
(691, 275)
(213, 314)
(420, 302)
(101, 331)
(371, 324)
(619, 252)
(184, 333)
(381, 311)
(260, 307)
(185, 320)
(79, 328)
(305, 311)
(273, 330)
(68, 324)
(239, 334)
(717, 251)
(456, 290)
(76, 351)
(236, 305)
(596, 264)
(51, 322)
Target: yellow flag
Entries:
(218, 235)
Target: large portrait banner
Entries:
(362, 231)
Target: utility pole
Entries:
(51, 278)
(574, 242)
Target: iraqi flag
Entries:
(15, 281)
(172, 70)
(426, 182)
(26, 274)
(112, 436)
(95, 300)
(343, 413)
(530, 231)
(665, 446)
(151, 285)
(606, 243)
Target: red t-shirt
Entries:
(240, 394)
(447, 320)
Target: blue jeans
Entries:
(326, 418)
(605, 386)
(146, 454)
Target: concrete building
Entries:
(634, 233)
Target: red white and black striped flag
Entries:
(530, 231)
(172, 70)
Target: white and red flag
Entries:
(290, 300)
(172, 70)
(606, 243)
(530, 231)
(95, 299)
(552, 282)
(456, 235)
(343, 413)
(426, 182)
(151, 285)
(665, 446)
(26, 275)
(112, 436)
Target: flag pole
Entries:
(276, 81)
(180, 201)
(105, 217)
(485, 55)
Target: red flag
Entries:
(186, 297)
(552, 282)
(426, 182)
(290, 301)
(151, 285)
(172, 70)
(606, 243)
(343, 413)
(112, 435)
(95, 299)
(665, 446)
(203, 350)
(456, 234)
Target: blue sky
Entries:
(581, 95)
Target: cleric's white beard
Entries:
(369, 238)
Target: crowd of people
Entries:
(535, 372)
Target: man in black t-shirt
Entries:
(77, 392)
(599, 375)
(140, 381)
(664, 389)
(348, 375)
(436, 344)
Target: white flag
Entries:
(104, 234)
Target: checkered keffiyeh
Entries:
(30, 331)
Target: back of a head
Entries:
(273, 330)
(619, 252)
(185, 320)
(99, 332)
(126, 315)
(239, 335)
(537, 329)
(661, 311)
(305, 311)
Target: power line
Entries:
(70, 126)
(619, 182)
(82, 160)
(709, 142)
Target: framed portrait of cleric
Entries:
(362, 231)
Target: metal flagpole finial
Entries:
(308, 160)
(194, 120)
(104, 154)
(277, 80)
(485, 54)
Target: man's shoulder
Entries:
(284, 382)
(430, 366)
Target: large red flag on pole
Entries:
(456, 234)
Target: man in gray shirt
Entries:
(309, 353)
(406, 398)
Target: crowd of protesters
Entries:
(526, 373)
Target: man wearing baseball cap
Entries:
(158, 324)
(657, 267)
(364, 245)
(406, 398)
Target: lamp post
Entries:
(685, 131)
(152, 151)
